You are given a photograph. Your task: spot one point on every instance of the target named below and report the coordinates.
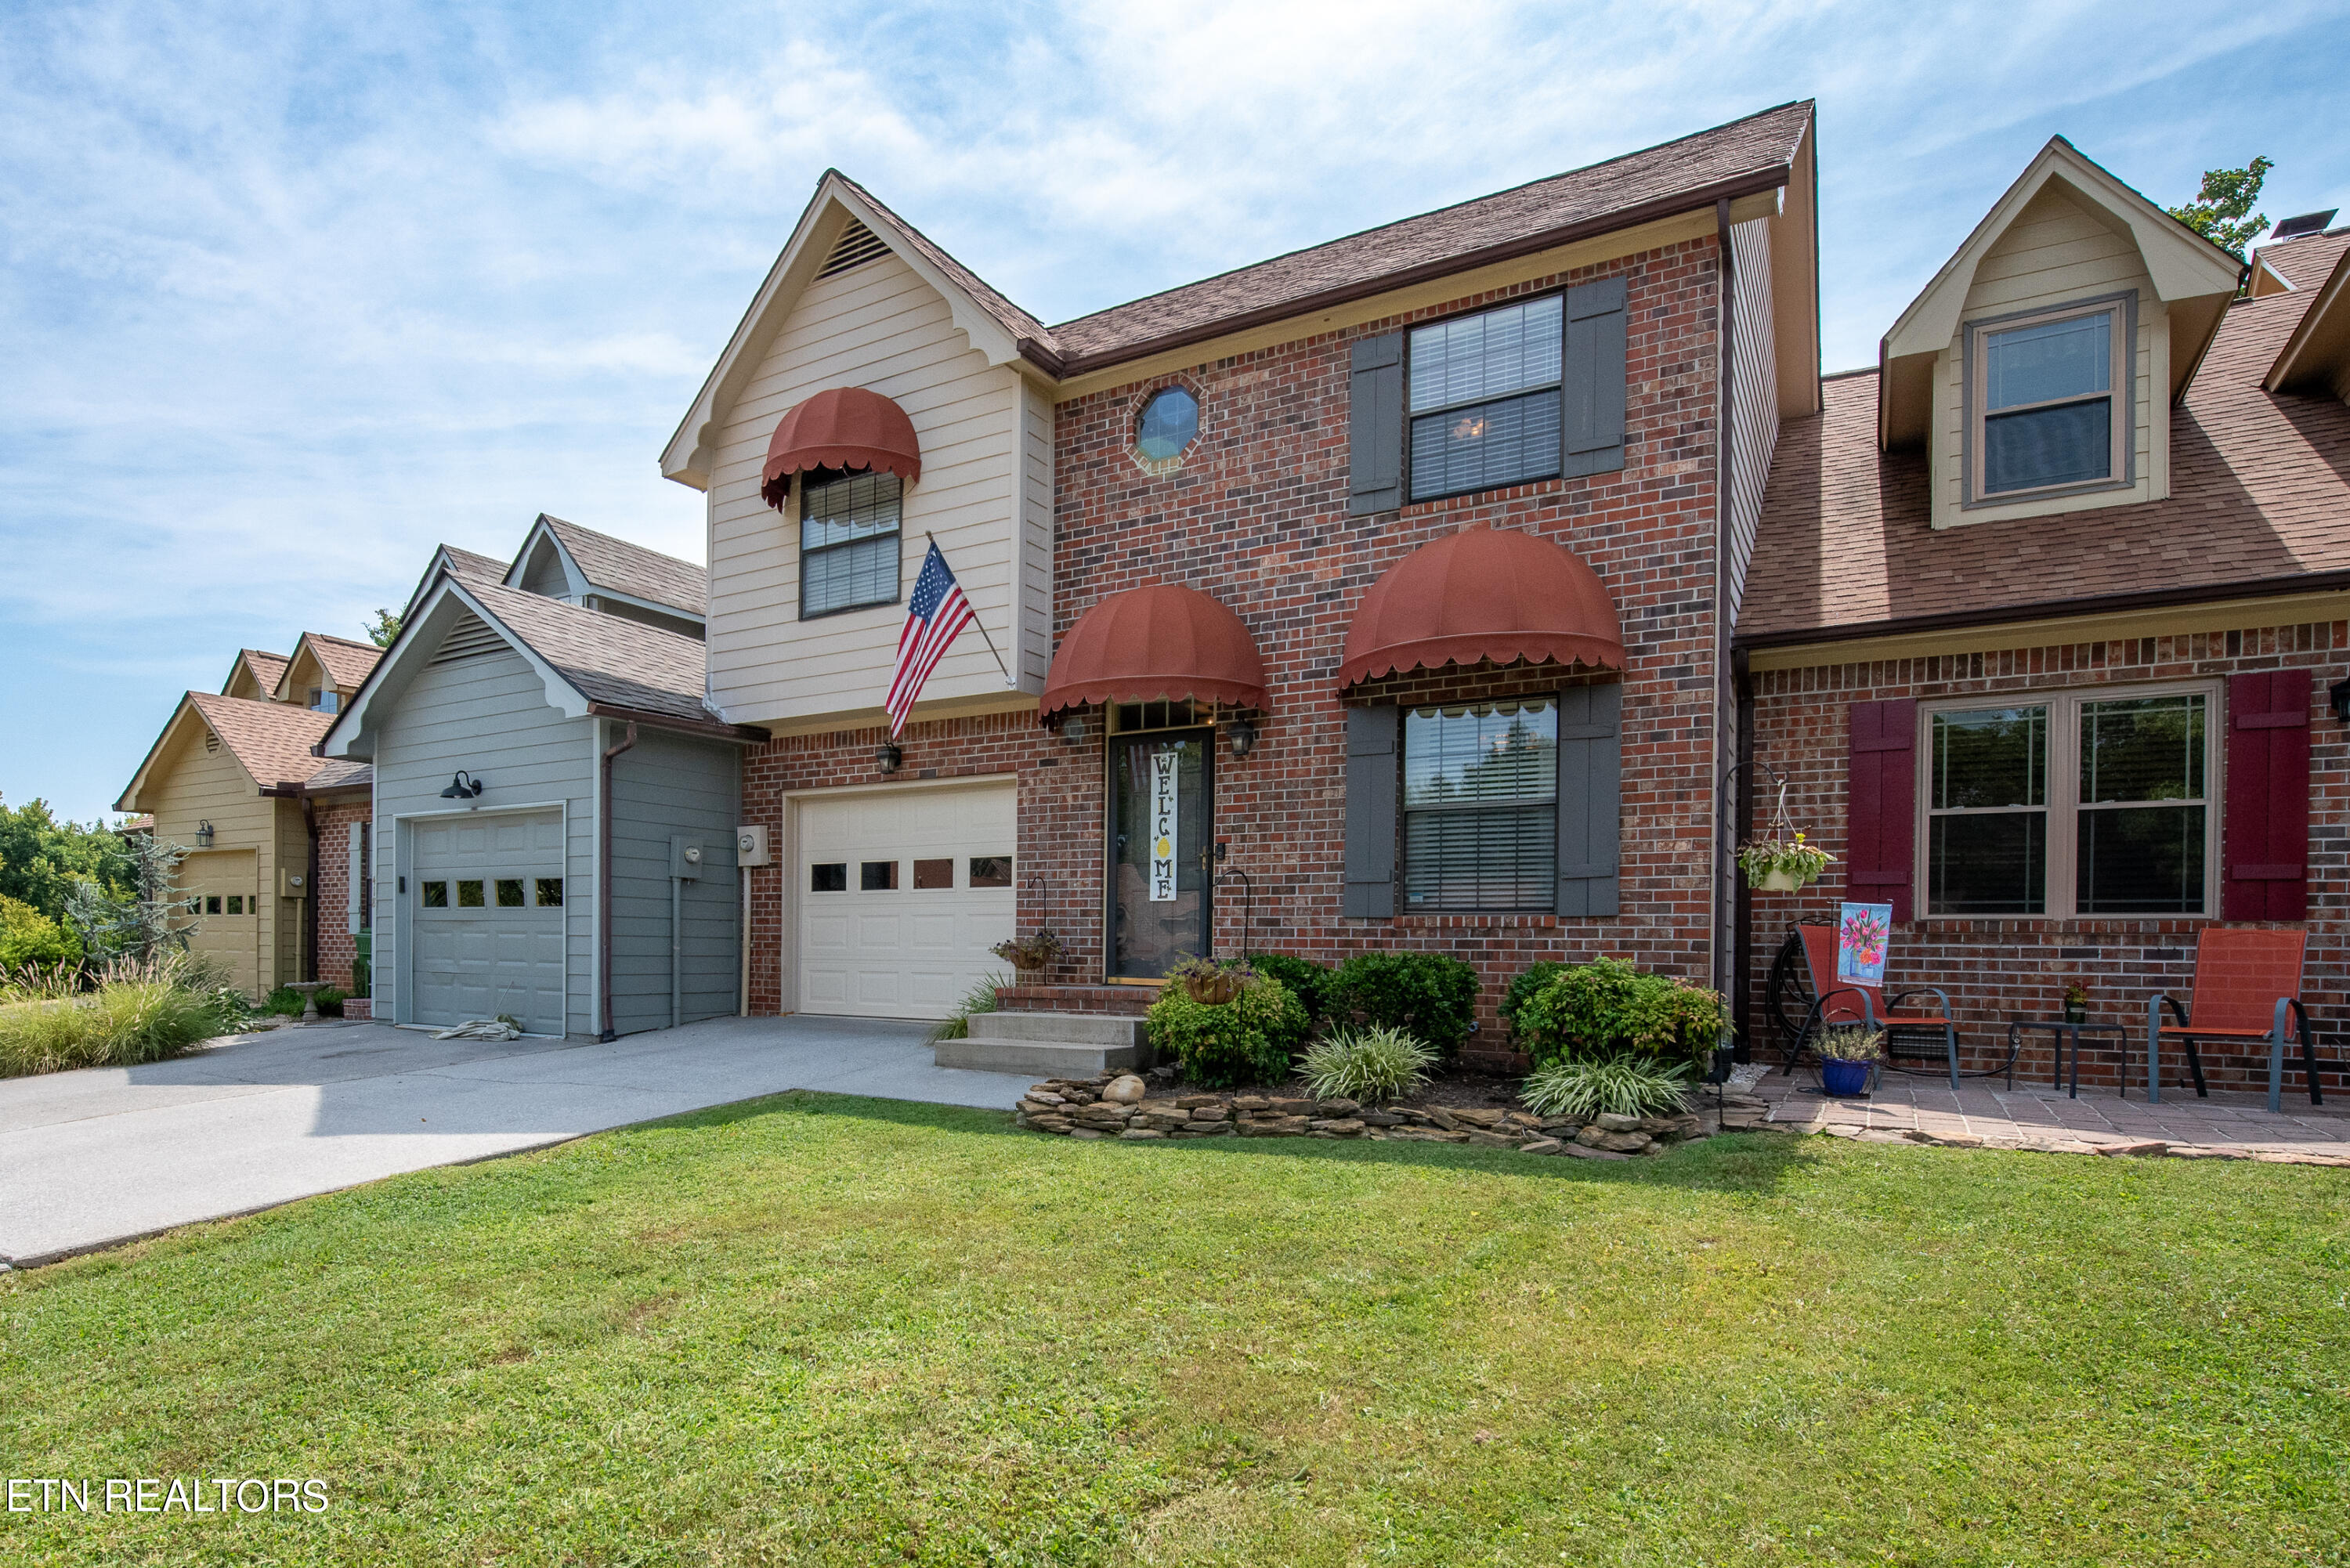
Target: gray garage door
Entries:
(486, 899)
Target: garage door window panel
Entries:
(436, 895)
(832, 877)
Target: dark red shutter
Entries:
(1881, 803)
(2264, 848)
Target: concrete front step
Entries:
(1049, 1044)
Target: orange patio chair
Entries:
(1835, 1001)
(2246, 982)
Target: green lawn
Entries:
(825, 1330)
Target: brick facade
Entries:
(337, 820)
(2018, 967)
(1255, 515)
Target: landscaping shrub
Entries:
(1628, 1085)
(1431, 996)
(284, 1002)
(1374, 1064)
(330, 1001)
(1307, 981)
(28, 937)
(1607, 1007)
(956, 1024)
(1537, 975)
(1248, 1040)
(138, 1012)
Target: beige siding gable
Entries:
(882, 326)
(2058, 250)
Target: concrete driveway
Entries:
(107, 1155)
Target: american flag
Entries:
(933, 616)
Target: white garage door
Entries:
(901, 894)
(485, 902)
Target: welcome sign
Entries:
(1163, 765)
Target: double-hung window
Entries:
(1480, 806)
(1484, 399)
(2051, 395)
(2071, 804)
(848, 540)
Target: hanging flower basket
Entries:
(1781, 861)
(1029, 954)
(1209, 983)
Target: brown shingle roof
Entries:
(609, 659)
(2305, 263)
(1759, 149)
(269, 669)
(346, 662)
(340, 772)
(632, 569)
(2260, 490)
(1016, 323)
(271, 741)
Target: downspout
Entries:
(743, 940)
(1742, 962)
(310, 904)
(1724, 677)
(604, 880)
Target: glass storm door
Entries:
(1159, 847)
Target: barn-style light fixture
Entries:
(204, 835)
(1242, 734)
(463, 787)
(888, 759)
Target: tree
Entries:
(2218, 211)
(41, 858)
(146, 919)
(385, 629)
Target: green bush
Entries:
(1431, 996)
(1609, 1007)
(28, 937)
(1629, 1087)
(1307, 981)
(1366, 1065)
(1538, 974)
(284, 1002)
(1248, 1040)
(140, 1013)
(331, 1000)
(956, 1024)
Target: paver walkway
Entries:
(1984, 1112)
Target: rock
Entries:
(1562, 1126)
(1250, 1103)
(1212, 1111)
(1382, 1119)
(1202, 1129)
(1293, 1107)
(1480, 1137)
(1337, 1127)
(1047, 1096)
(1438, 1117)
(1597, 1137)
(1541, 1146)
(1477, 1117)
(1522, 1119)
(1126, 1090)
(1656, 1147)
(1608, 1121)
(1050, 1124)
(1581, 1152)
(1200, 1102)
(1162, 1123)
(1138, 1133)
(1336, 1107)
(1273, 1126)
(2153, 1147)
(1039, 1107)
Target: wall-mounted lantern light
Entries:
(1073, 729)
(463, 787)
(204, 835)
(1243, 736)
(888, 759)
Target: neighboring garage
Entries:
(556, 810)
(902, 893)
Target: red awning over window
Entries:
(841, 427)
(1483, 593)
(1154, 644)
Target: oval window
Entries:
(1169, 422)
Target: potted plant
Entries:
(1782, 864)
(2076, 1002)
(1209, 983)
(1846, 1055)
(1029, 954)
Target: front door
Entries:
(1158, 851)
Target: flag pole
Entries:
(976, 620)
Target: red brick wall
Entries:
(1999, 968)
(1256, 516)
(336, 823)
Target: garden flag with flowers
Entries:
(937, 611)
(1863, 933)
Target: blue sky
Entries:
(289, 296)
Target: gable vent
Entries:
(469, 638)
(857, 244)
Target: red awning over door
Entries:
(1483, 593)
(841, 427)
(1154, 644)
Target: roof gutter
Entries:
(2052, 609)
(1700, 199)
(746, 735)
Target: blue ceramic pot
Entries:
(1843, 1078)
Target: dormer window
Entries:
(849, 540)
(2048, 408)
(325, 700)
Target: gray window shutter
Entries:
(1590, 786)
(1593, 372)
(1372, 778)
(1374, 425)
